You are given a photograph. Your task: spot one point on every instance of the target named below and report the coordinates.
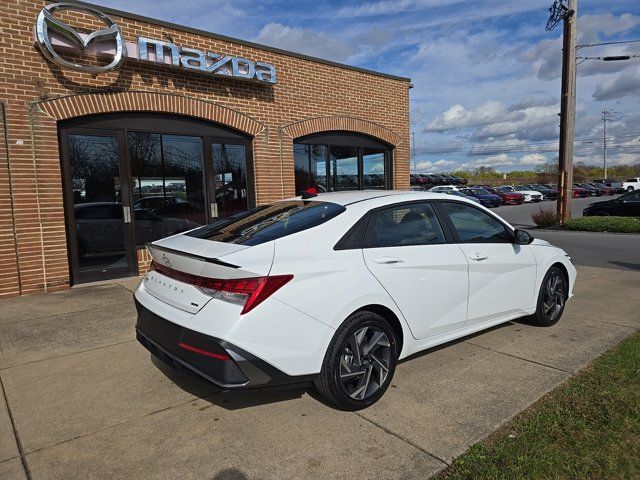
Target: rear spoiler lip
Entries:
(191, 255)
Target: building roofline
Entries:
(246, 43)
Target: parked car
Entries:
(631, 184)
(628, 205)
(486, 199)
(579, 192)
(606, 190)
(611, 182)
(529, 195)
(458, 193)
(460, 180)
(231, 303)
(593, 191)
(547, 193)
(508, 198)
(444, 188)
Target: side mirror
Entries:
(522, 237)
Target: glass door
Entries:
(230, 179)
(97, 205)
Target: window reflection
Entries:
(345, 164)
(230, 179)
(333, 167)
(310, 167)
(167, 173)
(373, 168)
(97, 203)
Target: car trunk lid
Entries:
(182, 257)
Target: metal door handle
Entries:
(387, 260)
(214, 210)
(478, 257)
(126, 214)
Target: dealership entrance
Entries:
(133, 178)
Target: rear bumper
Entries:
(208, 358)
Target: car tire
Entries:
(551, 299)
(360, 362)
(601, 213)
(629, 189)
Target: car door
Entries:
(406, 249)
(629, 205)
(502, 274)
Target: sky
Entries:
(486, 74)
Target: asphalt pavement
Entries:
(520, 215)
(604, 250)
(80, 398)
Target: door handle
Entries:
(387, 260)
(478, 257)
(214, 210)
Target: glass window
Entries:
(345, 167)
(340, 161)
(269, 222)
(373, 168)
(302, 167)
(403, 225)
(167, 175)
(230, 179)
(475, 226)
(310, 167)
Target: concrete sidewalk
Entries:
(84, 400)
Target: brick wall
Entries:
(35, 94)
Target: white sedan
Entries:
(336, 288)
(529, 195)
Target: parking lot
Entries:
(84, 400)
(520, 215)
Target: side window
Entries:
(403, 225)
(474, 225)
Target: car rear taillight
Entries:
(248, 292)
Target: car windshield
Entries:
(269, 222)
(504, 189)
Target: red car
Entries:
(508, 198)
(580, 192)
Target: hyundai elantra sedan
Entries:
(337, 288)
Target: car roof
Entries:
(356, 196)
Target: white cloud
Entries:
(386, 7)
(505, 160)
(305, 41)
(457, 116)
(625, 85)
(441, 165)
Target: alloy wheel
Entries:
(365, 362)
(554, 296)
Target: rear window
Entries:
(270, 222)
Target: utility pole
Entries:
(606, 115)
(568, 14)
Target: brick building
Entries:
(146, 128)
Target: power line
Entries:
(609, 58)
(586, 45)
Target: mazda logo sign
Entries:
(47, 24)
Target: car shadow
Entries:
(628, 265)
(240, 399)
(229, 399)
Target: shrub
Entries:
(545, 218)
(605, 224)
